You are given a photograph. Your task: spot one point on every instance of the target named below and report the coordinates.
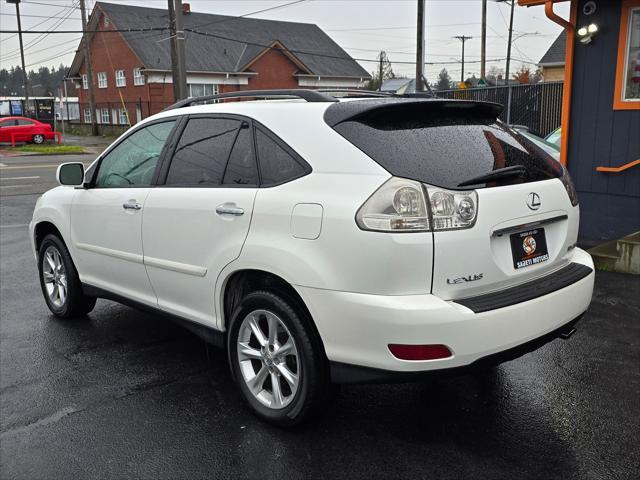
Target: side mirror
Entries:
(70, 174)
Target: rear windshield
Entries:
(446, 147)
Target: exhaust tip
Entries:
(565, 334)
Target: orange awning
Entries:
(531, 3)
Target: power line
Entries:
(250, 13)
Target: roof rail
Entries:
(364, 93)
(308, 95)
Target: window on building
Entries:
(87, 115)
(104, 114)
(85, 82)
(201, 89)
(138, 77)
(627, 88)
(121, 81)
(102, 79)
(123, 117)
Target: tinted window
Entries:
(133, 161)
(276, 164)
(7, 123)
(202, 153)
(24, 122)
(241, 169)
(445, 147)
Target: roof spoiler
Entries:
(344, 111)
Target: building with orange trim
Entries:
(601, 112)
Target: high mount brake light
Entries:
(400, 205)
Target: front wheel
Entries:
(276, 358)
(38, 139)
(59, 280)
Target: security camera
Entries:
(589, 8)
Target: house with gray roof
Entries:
(553, 61)
(131, 57)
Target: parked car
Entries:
(25, 130)
(551, 148)
(555, 137)
(360, 240)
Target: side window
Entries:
(202, 153)
(241, 168)
(133, 161)
(24, 123)
(276, 164)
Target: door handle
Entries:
(229, 209)
(131, 205)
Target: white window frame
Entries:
(85, 81)
(102, 80)
(138, 77)
(215, 88)
(104, 120)
(121, 80)
(87, 115)
(123, 116)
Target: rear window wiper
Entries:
(506, 172)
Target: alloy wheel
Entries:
(54, 276)
(268, 359)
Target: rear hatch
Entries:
(526, 218)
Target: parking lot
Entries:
(126, 394)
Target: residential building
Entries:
(132, 69)
(601, 112)
(552, 62)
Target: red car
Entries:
(25, 130)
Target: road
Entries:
(124, 394)
(33, 173)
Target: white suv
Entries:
(323, 240)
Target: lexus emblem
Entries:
(533, 201)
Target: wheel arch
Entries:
(44, 228)
(241, 282)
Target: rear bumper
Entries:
(357, 328)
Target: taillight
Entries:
(399, 205)
(402, 205)
(452, 209)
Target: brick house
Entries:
(132, 70)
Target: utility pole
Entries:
(420, 48)
(89, 68)
(463, 39)
(24, 71)
(506, 76)
(483, 41)
(178, 64)
(380, 69)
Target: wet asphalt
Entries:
(124, 394)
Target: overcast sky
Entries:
(361, 27)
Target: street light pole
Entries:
(24, 71)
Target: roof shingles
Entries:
(556, 53)
(232, 41)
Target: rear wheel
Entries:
(38, 138)
(59, 280)
(278, 363)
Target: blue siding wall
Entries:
(609, 202)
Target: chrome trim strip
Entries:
(175, 266)
(527, 226)
(130, 257)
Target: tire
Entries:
(38, 139)
(59, 280)
(306, 359)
